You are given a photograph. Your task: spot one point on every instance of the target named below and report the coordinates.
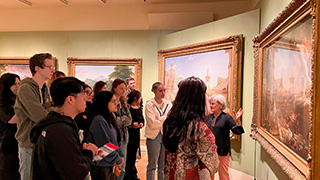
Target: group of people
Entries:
(54, 127)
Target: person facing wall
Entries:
(191, 152)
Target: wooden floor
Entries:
(143, 162)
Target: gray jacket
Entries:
(31, 107)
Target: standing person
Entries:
(191, 153)
(220, 124)
(98, 87)
(104, 130)
(134, 100)
(9, 161)
(123, 117)
(156, 112)
(131, 84)
(58, 153)
(83, 120)
(32, 105)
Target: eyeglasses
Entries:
(50, 67)
(89, 92)
(114, 101)
(82, 92)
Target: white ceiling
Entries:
(53, 15)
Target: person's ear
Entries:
(69, 99)
(37, 68)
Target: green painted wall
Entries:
(247, 155)
(123, 44)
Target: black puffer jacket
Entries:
(57, 151)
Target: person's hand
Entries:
(118, 166)
(136, 125)
(238, 115)
(157, 117)
(90, 147)
(141, 125)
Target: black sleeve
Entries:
(6, 112)
(235, 128)
(66, 153)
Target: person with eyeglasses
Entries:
(83, 119)
(58, 153)
(103, 130)
(33, 103)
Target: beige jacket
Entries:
(155, 117)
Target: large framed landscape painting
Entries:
(16, 65)
(283, 93)
(218, 63)
(91, 70)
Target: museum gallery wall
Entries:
(244, 151)
(283, 114)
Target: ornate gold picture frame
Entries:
(284, 96)
(91, 70)
(17, 65)
(218, 63)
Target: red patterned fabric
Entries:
(186, 163)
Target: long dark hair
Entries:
(100, 107)
(6, 81)
(188, 107)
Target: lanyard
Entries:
(161, 113)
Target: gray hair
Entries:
(220, 99)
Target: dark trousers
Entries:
(9, 166)
(131, 170)
(102, 173)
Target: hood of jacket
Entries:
(35, 85)
(52, 118)
(29, 81)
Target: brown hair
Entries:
(129, 79)
(38, 60)
(116, 83)
(56, 75)
(97, 87)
